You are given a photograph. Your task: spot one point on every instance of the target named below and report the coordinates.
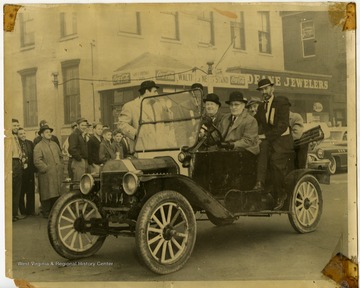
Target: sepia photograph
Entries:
(180, 144)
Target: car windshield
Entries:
(169, 121)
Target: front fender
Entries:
(292, 178)
(196, 195)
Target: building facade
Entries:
(69, 61)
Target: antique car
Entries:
(156, 194)
(332, 149)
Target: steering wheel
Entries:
(211, 139)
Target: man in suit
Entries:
(78, 149)
(239, 129)
(93, 148)
(16, 170)
(130, 113)
(276, 148)
(28, 181)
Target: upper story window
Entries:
(70, 73)
(130, 23)
(68, 24)
(264, 32)
(170, 25)
(237, 29)
(206, 28)
(27, 30)
(308, 38)
(28, 79)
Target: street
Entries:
(253, 248)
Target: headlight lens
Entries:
(130, 183)
(320, 153)
(86, 184)
(181, 157)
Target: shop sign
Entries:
(292, 82)
(185, 77)
(165, 75)
(239, 80)
(121, 78)
(318, 107)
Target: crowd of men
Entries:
(41, 161)
(265, 129)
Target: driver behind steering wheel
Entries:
(238, 128)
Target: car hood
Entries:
(159, 165)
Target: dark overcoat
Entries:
(48, 161)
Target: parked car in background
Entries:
(332, 148)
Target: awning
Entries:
(165, 70)
(162, 69)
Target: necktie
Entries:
(266, 105)
(18, 146)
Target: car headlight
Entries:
(320, 153)
(130, 183)
(87, 183)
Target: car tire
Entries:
(306, 205)
(67, 241)
(332, 166)
(219, 221)
(165, 232)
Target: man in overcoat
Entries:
(277, 148)
(238, 128)
(48, 161)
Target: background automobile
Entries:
(332, 148)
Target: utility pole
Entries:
(210, 77)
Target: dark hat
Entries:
(212, 97)
(197, 85)
(81, 120)
(42, 123)
(148, 85)
(74, 124)
(236, 96)
(264, 83)
(253, 101)
(45, 127)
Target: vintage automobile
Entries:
(332, 149)
(155, 196)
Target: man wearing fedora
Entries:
(277, 150)
(128, 121)
(212, 104)
(253, 105)
(53, 137)
(48, 161)
(239, 129)
(78, 149)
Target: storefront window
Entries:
(170, 25)
(308, 38)
(206, 28)
(28, 79)
(68, 24)
(237, 29)
(264, 32)
(27, 30)
(130, 23)
(70, 71)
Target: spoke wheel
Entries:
(65, 227)
(332, 166)
(165, 232)
(306, 205)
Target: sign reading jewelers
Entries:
(300, 82)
